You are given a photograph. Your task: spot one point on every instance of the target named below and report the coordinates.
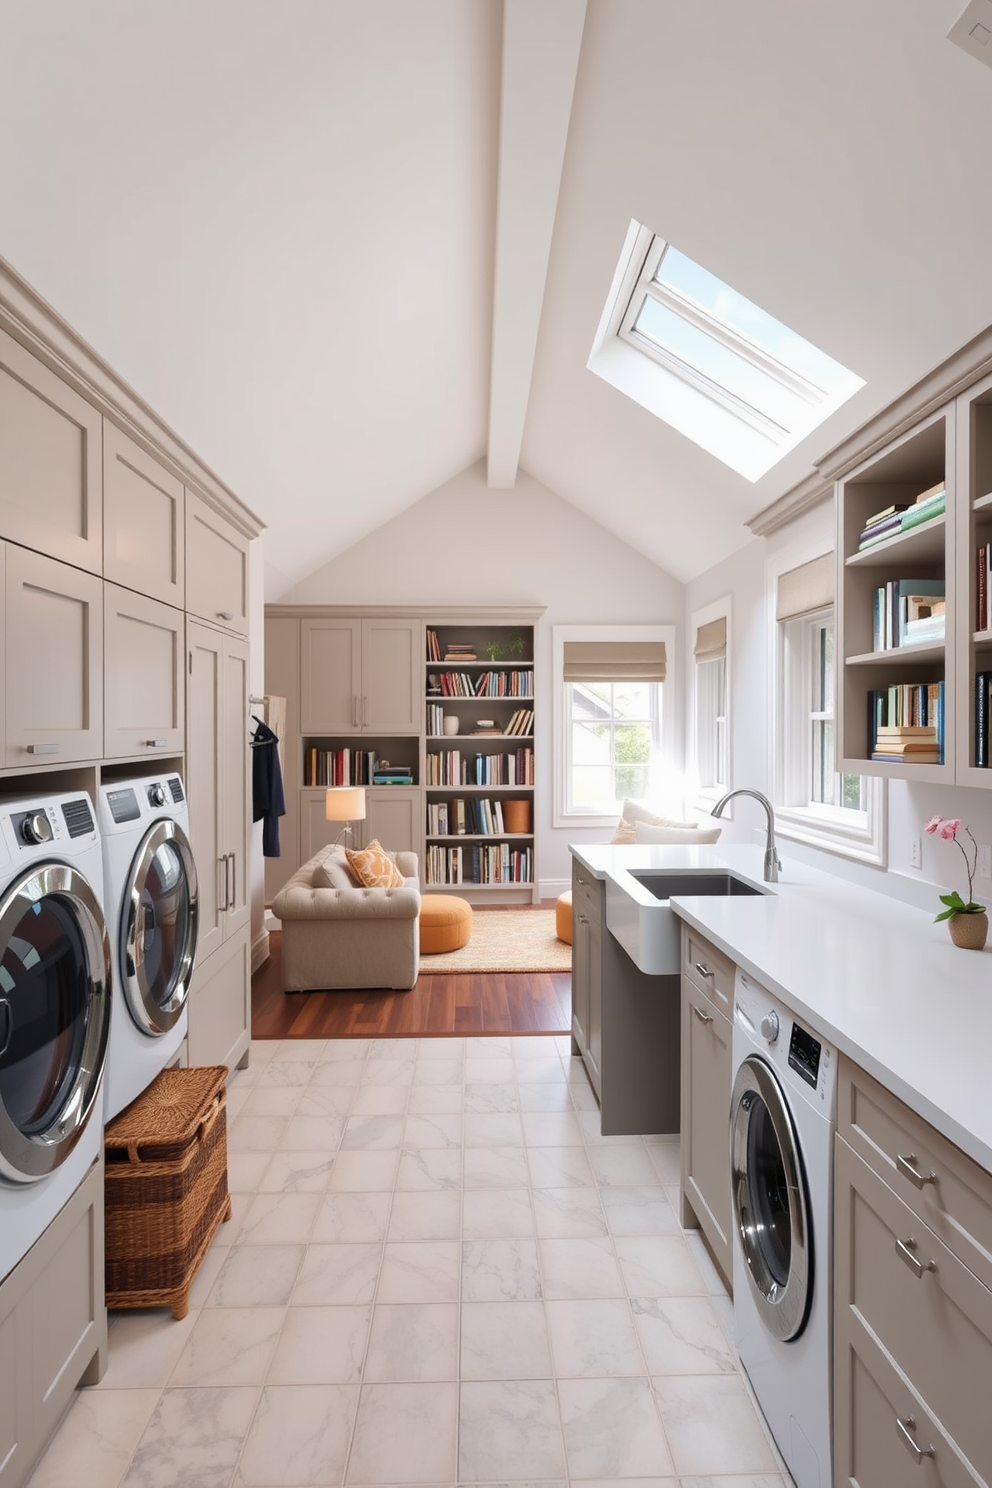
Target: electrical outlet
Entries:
(984, 860)
(916, 853)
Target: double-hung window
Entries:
(613, 733)
(814, 801)
(710, 718)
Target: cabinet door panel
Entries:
(394, 818)
(54, 619)
(220, 1006)
(392, 678)
(706, 1066)
(144, 694)
(203, 757)
(234, 779)
(216, 567)
(67, 1316)
(50, 462)
(330, 676)
(143, 520)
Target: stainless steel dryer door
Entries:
(770, 1202)
(158, 928)
(54, 1017)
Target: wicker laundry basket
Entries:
(165, 1187)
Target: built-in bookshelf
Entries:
(479, 758)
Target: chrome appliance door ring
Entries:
(782, 1300)
(154, 1016)
(25, 1158)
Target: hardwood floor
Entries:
(437, 1007)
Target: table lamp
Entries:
(345, 803)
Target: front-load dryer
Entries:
(55, 1010)
(782, 1120)
(150, 882)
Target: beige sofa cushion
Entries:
(333, 872)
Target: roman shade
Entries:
(711, 641)
(806, 588)
(614, 661)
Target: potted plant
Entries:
(968, 922)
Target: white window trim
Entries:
(822, 827)
(705, 797)
(559, 635)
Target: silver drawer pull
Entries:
(703, 1017)
(704, 971)
(155, 743)
(225, 615)
(905, 1250)
(582, 881)
(907, 1167)
(582, 919)
(44, 749)
(905, 1428)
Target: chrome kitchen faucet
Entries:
(772, 860)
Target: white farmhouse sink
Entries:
(639, 914)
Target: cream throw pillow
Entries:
(684, 835)
(334, 872)
(632, 813)
(374, 867)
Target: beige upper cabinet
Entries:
(50, 462)
(143, 520)
(54, 628)
(216, 567)
(144, 686)
(360, 676)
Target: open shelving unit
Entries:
(479, 760)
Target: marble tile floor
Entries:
(437, 1273)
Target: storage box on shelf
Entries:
(479, 759)
(896, 545)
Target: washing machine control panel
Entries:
(35, 827)
(156, 794)
(123, 804)
(804, 1054)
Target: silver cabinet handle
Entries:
(222, 891)
(907, 1167)
(905, 1250)
(44, 749)
(580, 880)
(582, 919)
(225, 615)
(354, 711)
(365, 711)
(234, 880)
(905, 1429)
(155, 743)
(704, 971)
(703, 1017)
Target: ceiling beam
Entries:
(541, 43)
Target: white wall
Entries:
(467, 545)
(743, 577)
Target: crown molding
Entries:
(802, 498)
(32, 321)
(437, 614)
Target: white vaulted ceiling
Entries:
(346, 248)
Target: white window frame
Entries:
(830, 828)
(562, 722)
(706, 796)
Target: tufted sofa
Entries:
(335, 937)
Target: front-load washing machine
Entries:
(782, 1121)
(150, 882)
(55, 1010)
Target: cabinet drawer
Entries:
(956, 1202)
(930, 1314)
(708, 969)
(586, 894)
(879, 1418)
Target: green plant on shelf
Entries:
(517, 644)
(493, 650)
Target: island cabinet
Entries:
(626, 1024)
(51, 486)
(912, 1298)
(707, 1011)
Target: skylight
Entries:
(709, 362)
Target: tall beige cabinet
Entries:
(124, 596)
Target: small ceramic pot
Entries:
(969, 931)
(450, 724)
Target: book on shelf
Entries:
(433, 645)
(924, 510)
(880, 527)
(892, 711)
(897, 600)
(922, 757)
(983, 713)
(983, 584)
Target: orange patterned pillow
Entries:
(373, 868)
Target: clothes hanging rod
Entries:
(255, 699)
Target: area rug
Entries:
(505, 940)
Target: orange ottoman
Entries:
(445, 923)
(563, 917)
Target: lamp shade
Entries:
(345, 803)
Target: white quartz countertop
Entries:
(875, 977)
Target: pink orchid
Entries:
(949, 829)
(933, 824)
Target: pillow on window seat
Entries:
(634, 812)
(685, 834)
